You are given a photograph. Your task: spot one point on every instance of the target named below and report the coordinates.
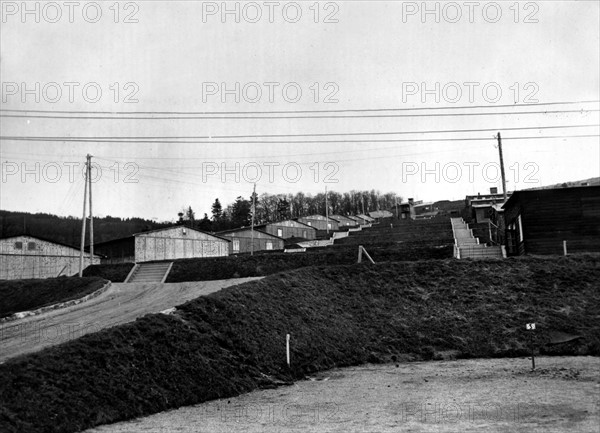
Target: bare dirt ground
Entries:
(121, 303)
(491, 395)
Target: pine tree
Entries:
(217, 211)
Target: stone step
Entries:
(150, 273)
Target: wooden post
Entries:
(360, 250)
(502, 166)
(565, 248)
(531, 327)
(368, 256)
(287, 349)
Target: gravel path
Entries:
(121, 303)
(492, 395)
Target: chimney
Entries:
(411, 201)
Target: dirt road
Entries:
(121, 303)
(495, 395)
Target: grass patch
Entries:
(113, 272)
(233, 341)
(26, 295)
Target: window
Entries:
(31, 246)
(328, 225)
(236, 245)
(18, 245)
(309, 223)
(304, 235)
(269, 245)
(280, 233)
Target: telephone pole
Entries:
(85, 188)
(326, 210)
(89, 175)
(502, 166)
(252, 226)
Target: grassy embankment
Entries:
(233, 341)
(26, 295)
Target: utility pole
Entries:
(326, 210)
(85, 188)
(396, 207)
(252, 226)
(502, 166)
(363, 204)
(89, 175)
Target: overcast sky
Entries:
(359, 55)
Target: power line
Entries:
(139, 139)
(210, 113)
(294, 116)
(397, 140)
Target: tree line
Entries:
(278, 207)
(269, 208)
(67, 230)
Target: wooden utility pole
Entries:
(252, 226)
(326, 210)
(81, 252)
(502, 166)
(363, 204)
(89, 175)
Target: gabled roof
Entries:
(277, 222)
(185, 227)
(366, 217)
(41, 238)
(316, 215)
(340, 216)
(244, 228)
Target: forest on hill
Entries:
(268, 208)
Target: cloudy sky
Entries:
(182, 102)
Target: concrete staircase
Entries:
(149, 272)
(467, 246)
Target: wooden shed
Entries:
(289, 229)
(538, 221)
(26, 256)
(178, 242)
(381, 214)
(320, 222)
(242, 238)
(171, 243)
(359, 220)
(345, 221)
(367, 218)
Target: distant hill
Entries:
(67, 230)
(593, 181)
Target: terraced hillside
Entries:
(432, 232)
(233, 341)
(405, 241)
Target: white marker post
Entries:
(287, 349)
(531, 327)
(565, 248)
